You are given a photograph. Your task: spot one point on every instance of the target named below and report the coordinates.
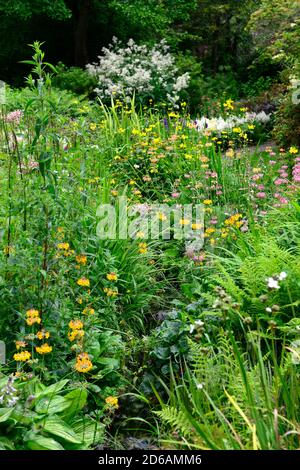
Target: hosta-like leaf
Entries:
(77, 399)
(56, 426)
(44, 443)
(89, 430)
(48, 405)
(5, 414)
(52, 389)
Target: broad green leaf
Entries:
(51, 405)
(77, 399)
(52, 389)
(5, 414)
(44, 443)
(56, 426)
(109, 362)
(89, 430)
(6, 444)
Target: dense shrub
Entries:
(74, 79)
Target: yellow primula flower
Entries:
(112, 402)
(33, 316)
(43, 349)
(75, 334)
(81, 259)
(63, 246)
(22, 356)
(43, 334)
(143, 248)
(88, 311)
(112, 276)
(83, 363)
(76, 324)
(84, 282)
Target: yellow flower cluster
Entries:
(229, 104)
(112, 276)
(22, 356)
(84, 282)
(143, 248)
(112, 402)
(234, 221)
(43, 349)
(43, 334)
(83, 363)
(63, 246)
(196, 226)
(75, 334)
(76, 324)
(81, 259)
(33, 316)
(64, 249)
(110, 292)
(88, 311)
(230, 153)
(76, 327)
(184, 222)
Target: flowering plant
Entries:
(147, 72)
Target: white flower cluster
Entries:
(273, 282)
(8, 393)
(140, 70)
(220, 124)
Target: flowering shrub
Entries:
(138, 70)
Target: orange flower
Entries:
(83, 363)
(33, 316)
(76, 324)
(81, 259)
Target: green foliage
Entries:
(46, 418)
(74, 79)
(276, 29)
(287, 118)
(233, 402)
(28, 8)
(207, 337)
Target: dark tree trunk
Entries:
(216, 46)
(81, 22)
